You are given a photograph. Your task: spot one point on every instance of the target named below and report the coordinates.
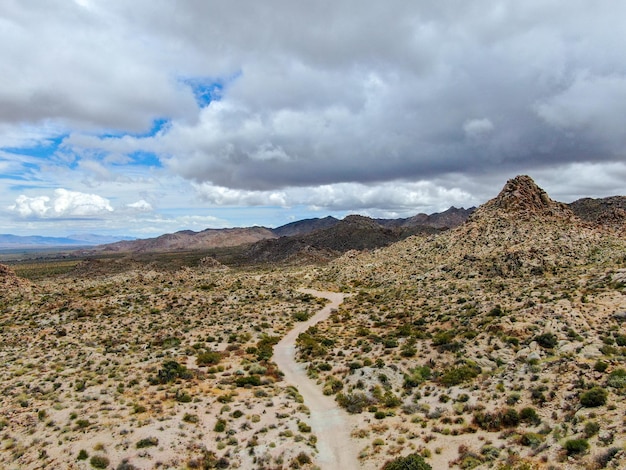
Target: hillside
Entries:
(492, 337)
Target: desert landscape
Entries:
(491, 341)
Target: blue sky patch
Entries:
(206, 89)
(44, 149)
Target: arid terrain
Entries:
(499, 343)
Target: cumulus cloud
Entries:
(63, 204)
(398, 198)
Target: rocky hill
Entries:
(609, 212)
(302, 227)
(9, 281)
(354, 232)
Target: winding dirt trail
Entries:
(329, 423)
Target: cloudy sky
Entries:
(146, 117)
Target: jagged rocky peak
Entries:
(522, 196)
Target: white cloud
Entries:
(63, 204)
(31, 206)
(141, 206)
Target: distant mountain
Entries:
(354, 232)
(8, 241)
(453, 217)
(190, 240)
(302, 227)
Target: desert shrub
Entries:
(303, 458)
(600, 366)
(410, 462)
(416, 376)
(220, 426)
(147, 442)
(311, 345)
(265, 347)
(170, 371)
(529, 415)
(531, 439)
(191, 418)
(496, 311)
(182, 396)
(380, 415)
(443, 338)
(82, 455)
(593, 397)
(303, 427)
(617, 379)
(208, 358)
(124, 465)
(546, 340)
(99, 461)
(620, 340)
(248, 381)
(301, 316)
(591, 428)
(458, 375)
(496, 420)
(353, 402)
(576, 446)
(390, 400)
(332, 385)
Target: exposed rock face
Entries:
(521, 197)
(8, 279)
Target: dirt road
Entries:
(329, 423)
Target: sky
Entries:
(147, 117)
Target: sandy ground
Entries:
(331, 424)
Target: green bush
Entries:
(529, 415)
(459, 375)
(99, 461)
(208, 358)
(617, 379)
(248, 381)
(410, 462)
(576, 446)
(170, 371)
(220, 426)
(147, 442)
(594, 397)
(546, 340)
(301, 316)
(353, 402)
(82, 455)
